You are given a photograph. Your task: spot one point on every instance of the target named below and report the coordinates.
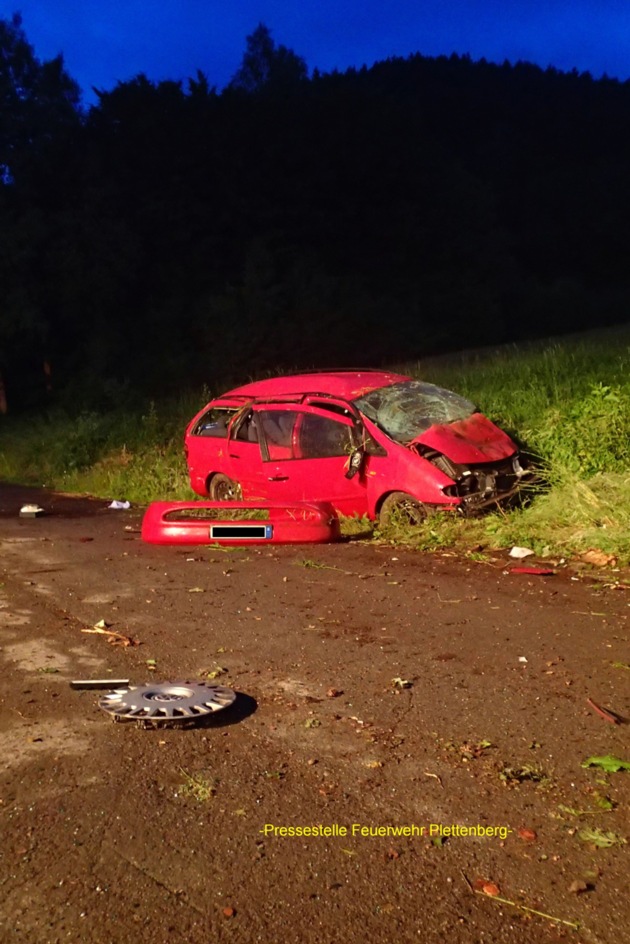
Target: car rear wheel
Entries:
(223, 488)
(402, 509)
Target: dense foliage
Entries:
(170, 234)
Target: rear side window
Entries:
(214, 422)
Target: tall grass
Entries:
(567, 402)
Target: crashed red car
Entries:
(369, 442)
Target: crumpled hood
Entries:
(469, 441)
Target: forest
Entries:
(174, 233)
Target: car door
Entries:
(306, 452)
(243, 459)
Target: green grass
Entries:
(566, 401)
(197, 786)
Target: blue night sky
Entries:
(104, 41)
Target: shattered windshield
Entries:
(405, 410)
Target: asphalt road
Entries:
(429, 711)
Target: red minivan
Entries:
(370, 442)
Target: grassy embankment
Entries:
(568, 402)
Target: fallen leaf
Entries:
(229, 912)
(608, 763)
(215, 673)
(600, 839)
(578, 886)
(527, 835)
(334, 692)
(489, 888)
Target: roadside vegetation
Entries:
(567, 402)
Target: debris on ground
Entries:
(533, 571)
(603, 713)
(521, 552)
(526, 834)
(120, 505)
(98, 683)
(598, 558)
(608, 763)
(116, 639)
(167, 702)
(31, 511)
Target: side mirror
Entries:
(356, 463)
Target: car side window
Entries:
(277, 427)
(322, 438)
(214, 422)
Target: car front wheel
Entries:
(401, 509)
(223, 488)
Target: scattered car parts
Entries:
(275, 523)
(534, 571)
(167, 702)
(98, 683)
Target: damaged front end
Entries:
(441, 427)
(480, 486)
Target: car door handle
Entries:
(277, 478)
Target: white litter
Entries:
(120, 505)
(520, 552)
(522, 659)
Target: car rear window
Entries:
(405, 410)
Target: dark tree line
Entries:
(172, 234)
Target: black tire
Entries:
(401, 509)
(222, 488)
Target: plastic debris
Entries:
(120, 505)
(31, 511)
(520, 552)
(533, 571)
